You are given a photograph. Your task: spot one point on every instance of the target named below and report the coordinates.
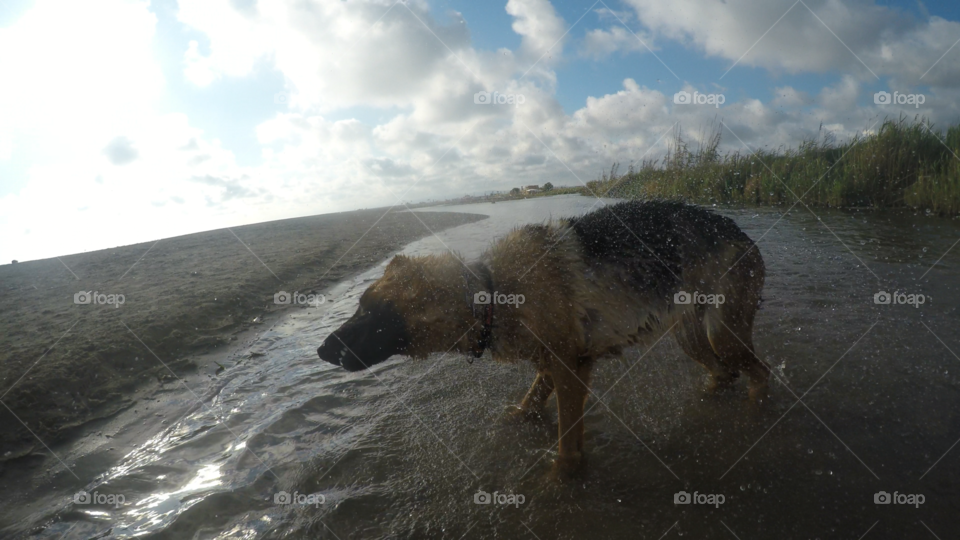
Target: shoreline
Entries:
(730, 205)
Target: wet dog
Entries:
(566, 293)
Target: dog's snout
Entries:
(336, 351)
(331, 350)
(368, 338)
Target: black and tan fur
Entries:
(592, 285)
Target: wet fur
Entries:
(593, 285)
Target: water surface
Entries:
(867, 401)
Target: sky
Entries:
(125, 121)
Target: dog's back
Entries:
(628, 272)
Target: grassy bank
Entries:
(904, 164)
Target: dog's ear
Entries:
(398, 263)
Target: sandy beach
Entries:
(154, 307)
(404, 449)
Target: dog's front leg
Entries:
(531, 408)
(570, 382)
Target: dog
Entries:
(568, 292)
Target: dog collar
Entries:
(486, 313)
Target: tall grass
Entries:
(903, 164)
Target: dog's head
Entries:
(416, 308)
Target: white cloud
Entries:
(887, 41)
(334, 54)
(599, 43)
(76, 75)
(786, 96)
(542, 29)
(84, 118)
(102, 152)
(841, 97)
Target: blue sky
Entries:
(490, 29)
(177, 116)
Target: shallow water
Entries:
(402, 451)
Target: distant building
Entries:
(531, 189)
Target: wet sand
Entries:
(403, 450)
(63, 364)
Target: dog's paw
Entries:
(719, 384)
(515, 414)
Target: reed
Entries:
(904, 164)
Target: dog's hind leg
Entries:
(571, 384)
(531, 407)
(691, 335)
